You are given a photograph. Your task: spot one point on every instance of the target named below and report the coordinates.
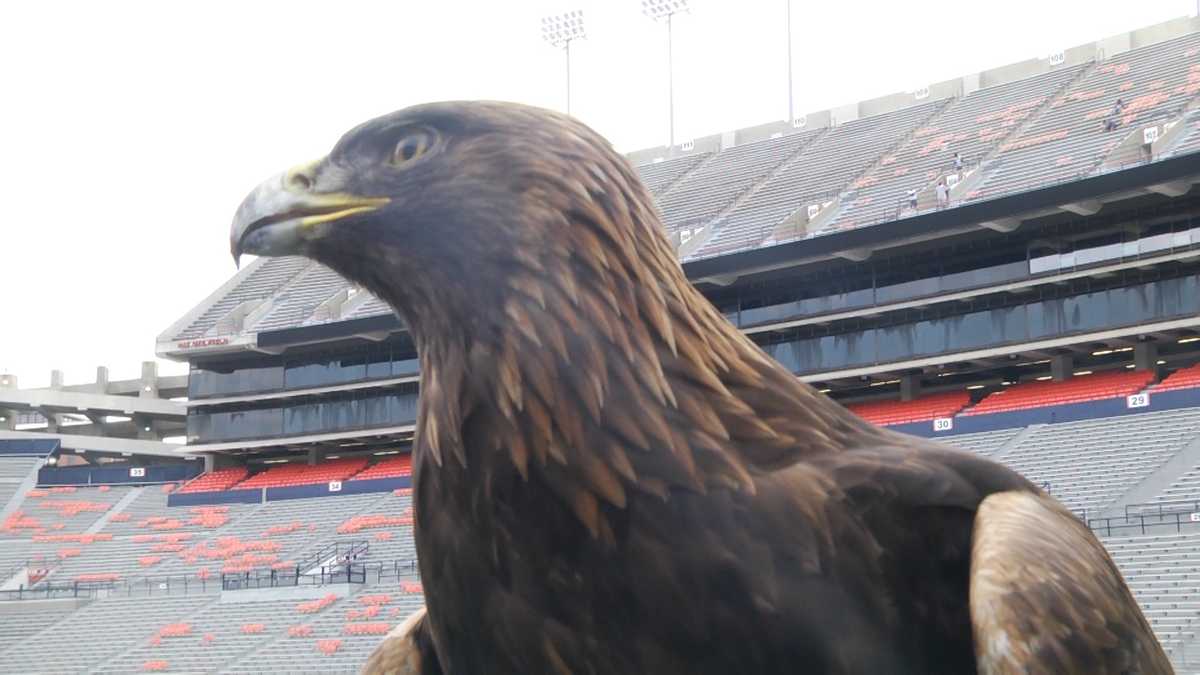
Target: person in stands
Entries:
(1114, 118)
(958, 163)
(943, 194)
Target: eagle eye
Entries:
(412, 145)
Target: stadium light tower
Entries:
(660, 9)
(560, 31)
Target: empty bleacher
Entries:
(1184, 378)
(1077, 389)
(221, 479)
(372, 306)
(1019, 135)
(18, 623)
(268, 277)
(705, 192)
(925, 408)
(1089, 464)
(660, 176)
(302, 474)
(1069, 140)
(825, 167)
(388, 468)
(301, 298)
(14, 470)
(98, 632)
(1164, 573)
(1189, 138)
(327, 642)
(973, 126)
(218, 635)
(982, 442)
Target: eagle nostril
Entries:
(300, 181)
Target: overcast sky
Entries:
(130, 131)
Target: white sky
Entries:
(130, 131)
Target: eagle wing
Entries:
(407, 650)
(1046, 598)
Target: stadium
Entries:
(1005, 261)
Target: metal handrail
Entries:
(1140, 524)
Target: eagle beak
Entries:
(284, 213)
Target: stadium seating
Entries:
(1164, 573)
(301, 297)
(265, 279)
(36, 616)
(701, 195)
(301, 653)
(371, 306)
(821, 170)
(1189, 138)
(1090, 463)
(1184, 378)
(1069, 140)
(302, 474)
(388, 468)
(900, 412)
(973, 126)
(1013, 137)
(1075, 390)
(110, 627)
(983, 442)
(14, 470)
(660, 176)
(221, 479)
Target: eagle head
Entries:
(445, 210)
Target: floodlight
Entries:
(560, 30)
(659, 9)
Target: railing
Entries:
(1141, 524)
(394, 570)
(151, 585)
(375, 571)
(341, 550)
(351, 573)
(1181, 506)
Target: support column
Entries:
(1145, 355)
(8, 417)
(101, 379)
(314, 456)
(56, 382)
(148, 387)
(910, 386)
(1061, 366)
(145, 428)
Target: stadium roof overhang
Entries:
(106, 445)
(361, 438)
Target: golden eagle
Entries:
(609, 478)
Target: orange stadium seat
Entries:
(919, 410)
(1078, 389)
